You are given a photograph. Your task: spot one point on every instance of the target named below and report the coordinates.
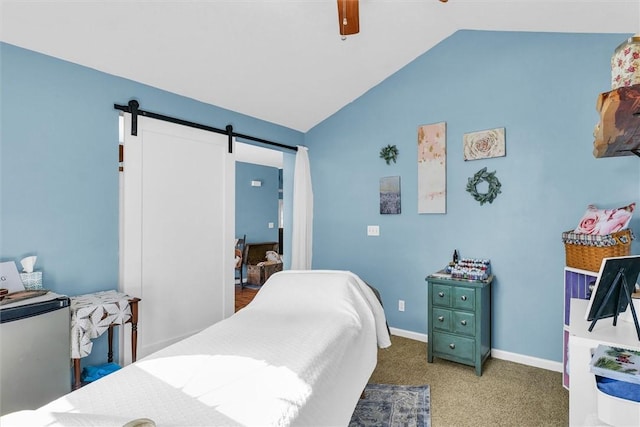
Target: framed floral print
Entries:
(484, 144)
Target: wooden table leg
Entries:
(76, 374)
(134, 328)
(110, 353)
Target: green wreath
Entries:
(489, 178)
(389, 153)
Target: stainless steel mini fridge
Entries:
(35, 352)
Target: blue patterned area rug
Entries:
(387, 405)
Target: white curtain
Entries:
(302, 230)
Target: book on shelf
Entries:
(617, 363)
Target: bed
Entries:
(300, 353)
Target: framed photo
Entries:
(617, 276)
(390, 195)
(484, 144)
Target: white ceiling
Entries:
(282, 61)
(249, 153)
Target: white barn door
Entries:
(177, 231)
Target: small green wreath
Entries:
(389, 153)
(489, 178)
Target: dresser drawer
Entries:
(441, 319)
(463, 323)
(464, 298)
(441, 295)
(452, 345)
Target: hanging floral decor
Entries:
(483, 176)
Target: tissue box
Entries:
(32, 281)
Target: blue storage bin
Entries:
(92, 373)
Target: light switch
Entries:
(373, 230)
(270, 225)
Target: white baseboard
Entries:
(408, 334)
(536, 362)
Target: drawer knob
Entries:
(463, 322)
(441, 294)
(441, 318)
(463, 297)
(452, 346)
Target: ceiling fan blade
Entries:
(348, 9)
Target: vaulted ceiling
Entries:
(282, 61)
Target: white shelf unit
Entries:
(576, 285)
(587, 405)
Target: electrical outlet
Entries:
(400, 305)
(373, 230)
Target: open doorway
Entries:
(259, 206)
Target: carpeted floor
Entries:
(507, 393)
(386, 405)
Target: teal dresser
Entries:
(459, 316)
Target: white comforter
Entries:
(300, 354)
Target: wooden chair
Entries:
(240, 259)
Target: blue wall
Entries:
(59, 164)
(256, 207)
(542, 88)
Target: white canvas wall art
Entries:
(432, 170)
